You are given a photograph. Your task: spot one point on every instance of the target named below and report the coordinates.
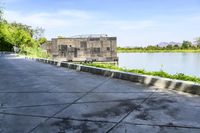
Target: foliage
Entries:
(38, 32)
(197, 41)
(161, 73)
(24, 37)
(186, 46)
(42, 40)
(24, 27)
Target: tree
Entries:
(186, 44)
(176, 46)
(169, 47)
(197, 41)
(38, 33)
(42, 40)
(22, 36)
(21, 26)
(151, 47)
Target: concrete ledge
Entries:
(6, 52)
(178, 85)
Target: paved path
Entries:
(40, 98)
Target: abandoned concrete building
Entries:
(83, 48)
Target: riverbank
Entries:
(158, 51)
(178, 76)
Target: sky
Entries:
(133, 22)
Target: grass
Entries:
(35, 53)
(161, 73)
(156, 51)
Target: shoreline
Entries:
(158, 51)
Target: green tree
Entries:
(169, 47)
(197, 41)
(38, 33)
(151, 47)
(24, 27)
(42, 40)
(186, 44)
(176, 46)
(24, 37)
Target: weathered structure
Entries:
(83, 48)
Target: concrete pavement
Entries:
(41, 98)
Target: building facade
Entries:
(83, 48)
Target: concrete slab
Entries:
(72, 126)
(168, 108)
(79, 84)
(116, 85)
(43, 111)
(100, 111)
(18, 124)
(41, 98)
(131, 128)
(24, 99)
(106, 97)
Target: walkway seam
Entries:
(120, 121)
(88, 92)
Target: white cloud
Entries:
(130, 25)
(72, 22)
(75, 14)
(60, 19)
(78, 18)
(11, 1)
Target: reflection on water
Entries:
(187, 63)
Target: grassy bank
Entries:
(160, 73)
(158, 51)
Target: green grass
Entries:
(179, 76)
(158, 51)
(35, 53)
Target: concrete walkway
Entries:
(40, 98)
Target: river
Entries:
(187, 63)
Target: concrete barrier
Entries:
(178, 85)
(6, 52)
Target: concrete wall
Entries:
(178, 85)
(95, 48)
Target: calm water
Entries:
(187, 63)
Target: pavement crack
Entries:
(120, 121)
(164, 125)
(88, 92)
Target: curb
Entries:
(178, 85)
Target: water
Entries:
(187, 63)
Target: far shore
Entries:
(159, 51)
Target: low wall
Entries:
(178, 85)
(6, 52)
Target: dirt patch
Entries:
(83, 126)
(144, 115)
(162, 104)
(159, 104)
(121, 108)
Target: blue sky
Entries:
(134, 22)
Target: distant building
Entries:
(83, 48)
